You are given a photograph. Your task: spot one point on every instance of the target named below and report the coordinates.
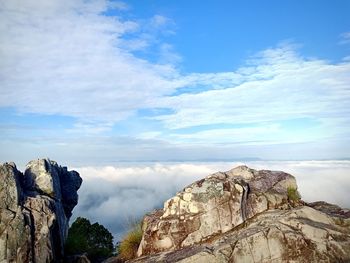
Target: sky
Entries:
(95, 82)
(143, 97)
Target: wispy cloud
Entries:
(254, 135)
(280, 85)
(118, 5)
(159, 21)
(345, 38)
(131, 191)
(75, 59)
(67, 58)
(168, 55)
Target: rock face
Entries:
(245, 215)
(35, 209)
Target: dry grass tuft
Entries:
(130, 243)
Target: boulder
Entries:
(213, 206)
(35, 212)
(244, 215)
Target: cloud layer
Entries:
(278, 85)
(113, 195)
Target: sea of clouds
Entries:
(117, 195)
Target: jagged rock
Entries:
(15, 234)
(212, 206)
(35, 210)
(244, 215)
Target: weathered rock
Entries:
(35, 210)
(16, 243)
(245, 215)
(213, 206)
(300, 234)
(330, 209)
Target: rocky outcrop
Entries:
(35, 209)
(245, 215)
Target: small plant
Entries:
(293, 194)
(130, 243)
(342, 222)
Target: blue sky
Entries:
(91, 82)
(226, 33)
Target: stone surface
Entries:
(245, 215)
(35, 209)
(330, 209)
(213, 206)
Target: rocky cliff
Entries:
(35, 209)
(245, 215)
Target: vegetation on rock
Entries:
(293, 194)
(128, 246)
(342, 222)
(93, 239)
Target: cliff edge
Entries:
(35, 209)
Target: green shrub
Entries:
(93, 239)
(130, 243)
(293, 194)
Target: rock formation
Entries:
(245, 215)
(35, 209)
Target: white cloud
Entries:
(112, 195)
(345, 38)
(118, 5)
(168, 55)
(66, 58)
(280, 85)
(256, 135)
(159, 21)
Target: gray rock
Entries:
(35, 210)
(245, 215)
(330, 209)
(213, 206)
(15, 234)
